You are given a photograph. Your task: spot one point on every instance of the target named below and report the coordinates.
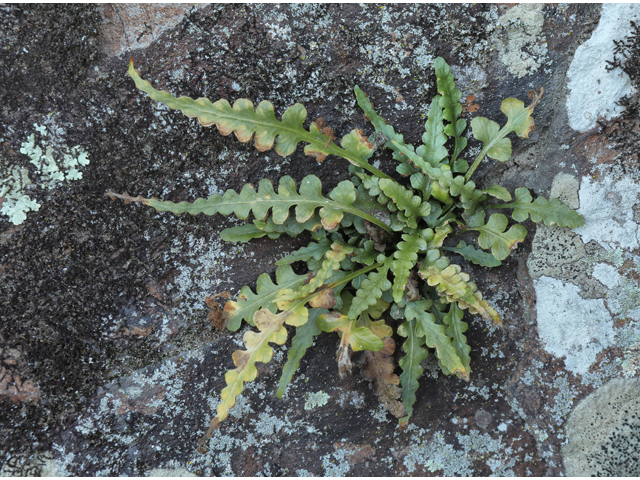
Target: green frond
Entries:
(259, 229)
(371, 289)
(435, 337)
(494, 236)
(455, 330)
(415, 353)
(302, 340)
(550, 211)
(444, 185)
(455, 285)
(241, 119)
(412, 206)
(393, 139)
(370, 183)
(474, 255)
(499, 192)
(496, 145)
(248, 303)
(313, 250)
(244, 233)
(358, 147)
(436, 239)
(259, 203)
(434, 138)
(376, 120)
(451, 106)
(466, 190)
(405, 259)
(330, 264)
(367, 254)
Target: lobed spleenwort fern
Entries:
(378, 243)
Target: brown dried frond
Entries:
(216, 315)
(378, 369)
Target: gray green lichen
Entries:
(54, 164)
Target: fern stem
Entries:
(367, 217)
(477, 161)
(456, 152)
(444, 213)
(341, 152)
(352, 275)
(504, 131)
(341, 281)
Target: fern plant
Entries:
(377, 244)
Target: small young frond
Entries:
(494, 236)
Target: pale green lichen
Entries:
(437, 455)
(13, 187)
(318, 399)
(57, 170)
(170, 472)
(613, 257)
(336, 464)
(629, 341)
(16, 204)
(624, 298)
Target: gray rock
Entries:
(108, 364)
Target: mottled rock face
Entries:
(603, 432)
(108, 364)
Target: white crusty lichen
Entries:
(585, 329)
(593, 89)
(520, 39)
(13, 192)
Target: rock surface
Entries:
(108, 364)
(603, 432)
